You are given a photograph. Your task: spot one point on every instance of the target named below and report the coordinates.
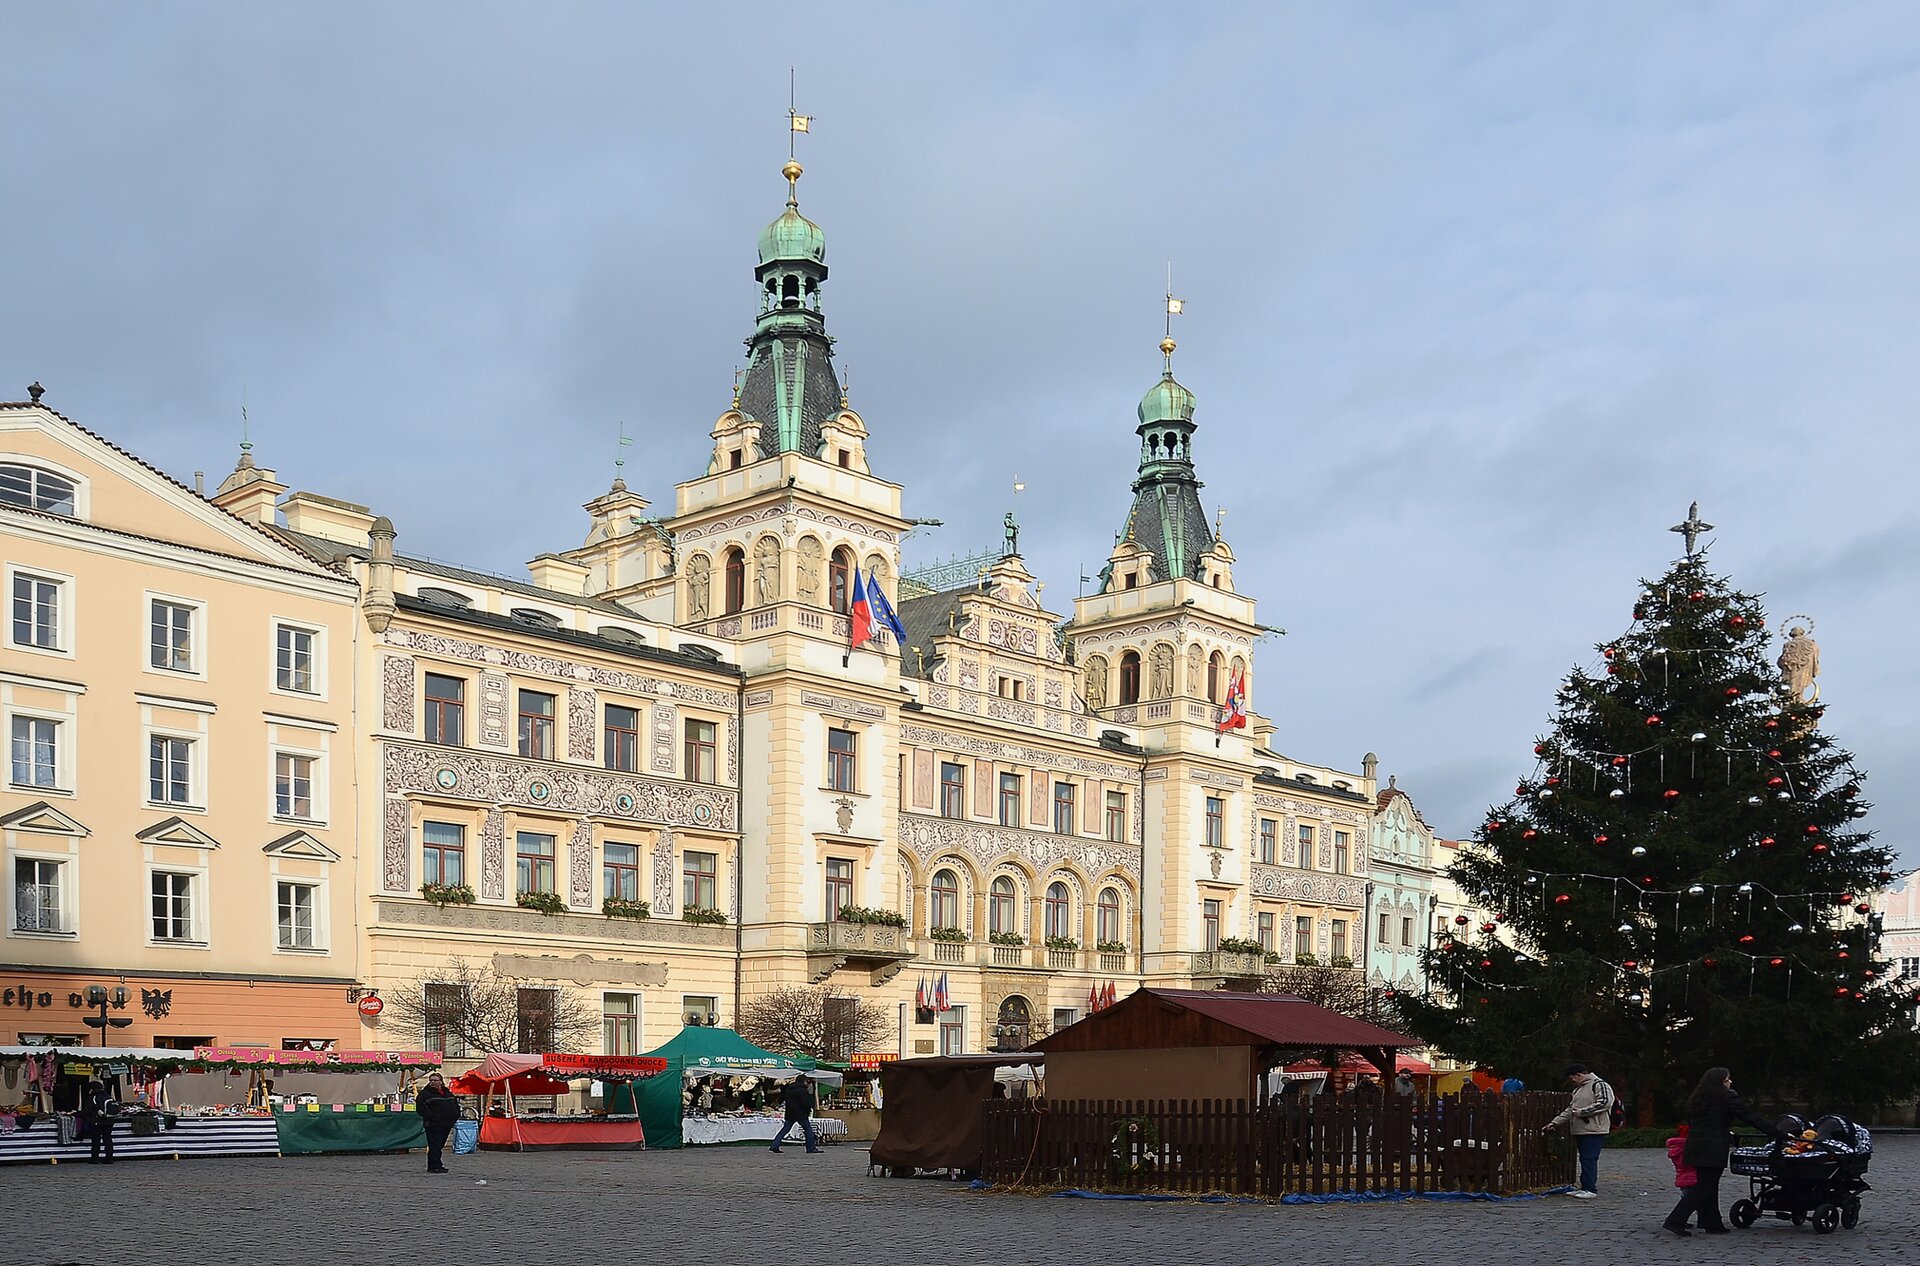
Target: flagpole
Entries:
(853, 595)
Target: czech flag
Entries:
(1112, 995)
(940, 999)
(859, 614)
(1233, 712)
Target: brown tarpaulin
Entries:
(930, 1118)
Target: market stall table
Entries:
(511, 1074)
(706, 1131)
(339, 1128)
(575, 1133)
(189, 1136)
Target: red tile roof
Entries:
(1153, 1018)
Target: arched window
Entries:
(1107, 917)
(1002, 912)
(736, 579)
(1215, 663)
(840, 579)
(946, 900)
(1059, 910)
(1130, 677)
(36, 489)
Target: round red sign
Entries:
(371, 1005)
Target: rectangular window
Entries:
(34, 752)
(620, 873)
(1385, 922)
(953, 790)
(701, 872)
(1269, 841)
(1117, 816)
(1406, 931)
(293, 785)
(536, 725)
(839, 1018)
(622, 739)
(1340, 851)
(1063, 1016)
(534, 1019)
(1210, 923)
(172, 906)
(533, 862)
(953, 1031)
(446, 710)
(619, 1024)
(839, 886)
(1306, 848)
(1216, 822)
(294, 666)
(696, 1010)
(444, 1013)
(840, 760)
(36, 612)
(37, 906)
(1263, 931)
(170, 640)
(1302, 936)
(443, 854)
(1063, 811)
(169, 770)
(296, 915)
(702, 745)
(1009, 799)
(1339, 939)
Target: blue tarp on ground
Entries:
(1338, 1197)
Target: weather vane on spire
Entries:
(796, 123)
(1174, 308)
(246, 439)
(619, 454)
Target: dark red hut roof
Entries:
(1151, 1018)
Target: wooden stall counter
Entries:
(572, 1133)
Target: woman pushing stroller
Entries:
(1710, 1113)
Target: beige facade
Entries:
(178, 815)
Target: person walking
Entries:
(797, 1098)
(1403, 1084)
(1710, 1112)
(99, 1109)
(1589, 1118)
(438, 1108)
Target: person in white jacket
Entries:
(1589, 1119)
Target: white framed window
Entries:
(620, 1024)
(42, 897)
(953, 1031)
(176, 633)
(175, 901)
(36, 752)
(299, 659)
(38, 487)
(298, 919)
(296, 786)
(173, 770)
(39, 611)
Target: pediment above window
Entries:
(44, 819)
(301, 845)
(178, 833)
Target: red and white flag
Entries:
(1233, 712)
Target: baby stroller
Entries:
(1816, 1172)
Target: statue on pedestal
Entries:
(1800, 664)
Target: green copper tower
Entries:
(789, 385)
(1166, 518)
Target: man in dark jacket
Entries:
(99, 1109)
(439, 1108)
(797, 1098)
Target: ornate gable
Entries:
(178, 833)
(42, 818)
(301, 845)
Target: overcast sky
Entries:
(1479, 298)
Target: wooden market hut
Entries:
(1202, 1044)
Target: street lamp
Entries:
(1008, 1037)
(97, 996)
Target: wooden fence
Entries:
(1314, 1146)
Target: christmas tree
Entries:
(1679, 882)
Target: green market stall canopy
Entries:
(703, 1052)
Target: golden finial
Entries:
(846, 378)
(736, 388)
(792, 171)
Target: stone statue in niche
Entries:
(1196, 671)
(699, 587)
(766, 571)
(807, 574)
(1161, 682)
(877, 573)
(1096, 691)
(1800, 664)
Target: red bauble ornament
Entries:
(1630, 964)
(1460, 919)
(1646, 881)
(1774, 754)
(1766, 841)
(1487, 927)
(1883, 875)
(1554, 781)
(1812, 829)
(1863, 908)
(1494, 826)
(1738, 621)
(1698, 595)
(1600, 838)
(1841, 992)
(1846, 899)
(1771, 725)
(1520, 790)
(1539, 749)
(1746, 938)
(1613, 670)
(1619, 760)
(1709, 962)
(1842, 954)
(1528, 834)
(1486, 962)
(1775, 962)
(1733, 692)
(1670, 794)
(1821, 847)
(1562, 899)
(1654, 719)
(1483, 1002)
(1639, 613)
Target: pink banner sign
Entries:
(267, 1057)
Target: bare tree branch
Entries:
(814, 1022)
(480, 1011)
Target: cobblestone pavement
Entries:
(743, 1205)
